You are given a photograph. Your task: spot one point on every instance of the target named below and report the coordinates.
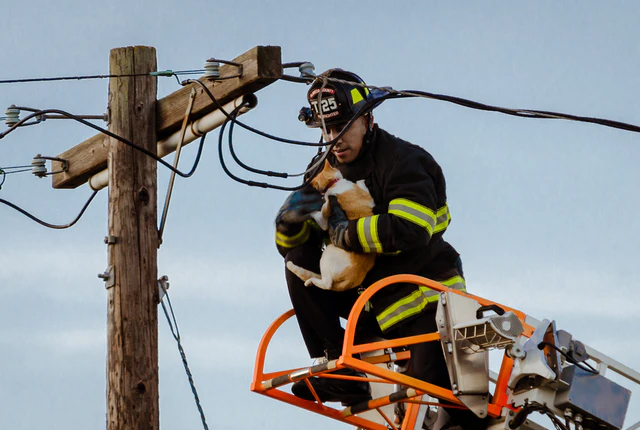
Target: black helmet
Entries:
(338, 102)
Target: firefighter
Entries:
(406, 232)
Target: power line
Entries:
(384, 93)
(175, 332)
(110, 134)
(524, 113)
(46, 224)
(78, 78)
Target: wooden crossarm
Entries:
(262, 65)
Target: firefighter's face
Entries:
(349, 145)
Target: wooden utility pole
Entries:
(132, 363)
(131, 278)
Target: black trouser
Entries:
(318, 313)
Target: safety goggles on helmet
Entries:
(335, 102)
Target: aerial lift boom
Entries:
(543, 369)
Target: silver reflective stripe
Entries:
(456, 282)
(415, 302)
(403, 308)
(368, 234)
(431, 295)
(413, 212)
(442, 221)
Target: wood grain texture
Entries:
(261, 66)
(132, 335)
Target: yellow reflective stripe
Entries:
(356, 96)
(443, 217)
(415, 302)
(361, 236)
(456, 282)
(374, 234)
(430, 295)
(413, 212)
(296, 240)
(402, 309)
(367, 228)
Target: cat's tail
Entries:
(301, 273)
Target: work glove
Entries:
(338, 223)
(297, 208)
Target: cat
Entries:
(340, 270)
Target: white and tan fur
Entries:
(339, 269)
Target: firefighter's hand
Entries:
(297, 208)
(338, 223)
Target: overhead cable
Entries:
(524, 113)
(175, 332)
(110, 134)
(85, 77)
(46, 224)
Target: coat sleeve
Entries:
(291, 234)
(416, 210)
(307, 232)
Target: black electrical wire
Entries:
(46, 224)
(230, 119)
(14, 167)
(233, 120)
(525, 113)
(197, 159)
(110, 134)
(175, 332)
(309, 170)
(581, 365)
(253, 169)
(329, 144)
(390, 94)
(297, 79)
(70, 78)
(19, 171)
(254, 130)
(265, 172)
(529, 113)
(234, 114)
(79, 78)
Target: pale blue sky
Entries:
(544, 211)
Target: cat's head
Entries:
(326, 177)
